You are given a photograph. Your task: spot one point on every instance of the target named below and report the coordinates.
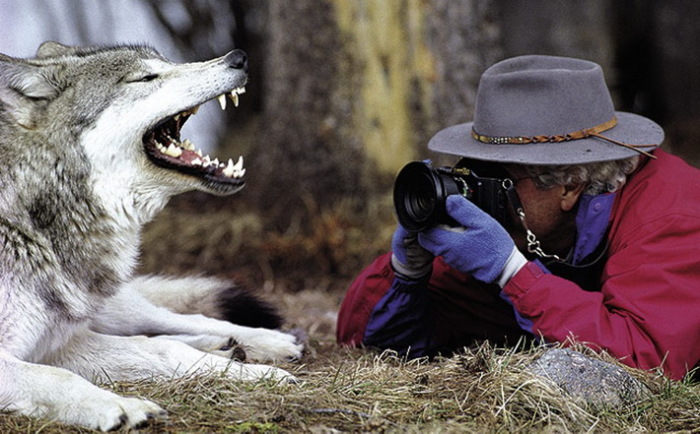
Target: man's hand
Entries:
(409, 259)
(481, 247)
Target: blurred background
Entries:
(343, 93)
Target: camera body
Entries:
(420, 192)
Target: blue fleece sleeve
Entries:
(402, 320)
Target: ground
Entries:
(483, 389)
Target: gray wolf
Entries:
(90, 150)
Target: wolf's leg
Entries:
(128, 358)
(54, 393)
(209, 296)
(128, 314)
(217, 345)
(32, 326)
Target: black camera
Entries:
(420, 191)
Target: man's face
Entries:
(549, 214)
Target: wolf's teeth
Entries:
(222, 101)
(196, 162)
(173, 151)
(187, 144)
(234, 97)
(215, 162)
(228, 171)
(239, 164)
(234, 170)
(199, 152)
(194, 110)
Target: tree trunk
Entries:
(353, 91)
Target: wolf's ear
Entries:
(24, 89)
(53, 49)
(31, 81)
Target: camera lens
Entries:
(420, 202)
(419, 196)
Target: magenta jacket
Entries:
(633, 287)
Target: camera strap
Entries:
(533, 245)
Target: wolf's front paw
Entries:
(226, 347)
(122, 412)
(265, 345)
(252, 372)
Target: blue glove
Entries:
(481, 248)
(409, 259)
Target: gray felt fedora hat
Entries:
(547, 110)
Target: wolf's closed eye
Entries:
(140, 78)
(145, 78)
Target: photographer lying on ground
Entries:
(599, 233)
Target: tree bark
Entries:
(354, 90)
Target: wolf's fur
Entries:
(80, 174)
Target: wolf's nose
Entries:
(237, 59)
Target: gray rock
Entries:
(595, 382)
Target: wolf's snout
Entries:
(237, 59)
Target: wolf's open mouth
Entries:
(163, 146)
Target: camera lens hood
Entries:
(419, 196)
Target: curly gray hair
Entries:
(602, 177)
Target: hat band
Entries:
(576, 135)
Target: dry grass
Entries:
(354, 390)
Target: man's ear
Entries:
(24, 89)
(570, 196)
